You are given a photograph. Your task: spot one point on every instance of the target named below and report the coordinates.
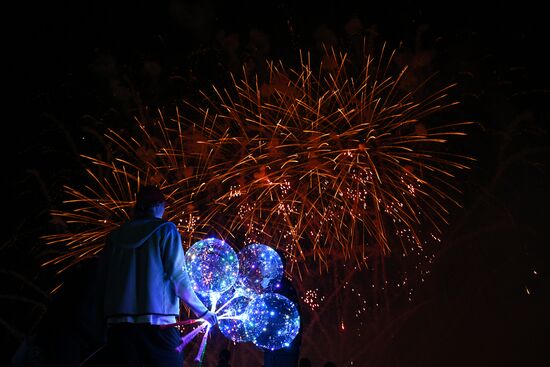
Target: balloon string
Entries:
(227, 303)
(214, 298)
(229, 317)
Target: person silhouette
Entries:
(142, 277)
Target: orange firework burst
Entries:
(340, 161)
(162, 155)
(330, 164)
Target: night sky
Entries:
(82, 67)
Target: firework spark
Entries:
(328, 164)
(335, 162)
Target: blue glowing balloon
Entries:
(261, 269)
(272, 321)
(233, 304)
(213, 266)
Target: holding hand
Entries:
(210, 317)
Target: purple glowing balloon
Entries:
(261, 269)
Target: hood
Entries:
(134, 233)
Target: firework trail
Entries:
(328, 164)
(334, 162)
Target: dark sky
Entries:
(487, 301)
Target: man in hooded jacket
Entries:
(142, 278)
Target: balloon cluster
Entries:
(241, 288)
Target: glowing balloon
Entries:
(233, 305)
(213, 266)
(261, 269)
(272, 321)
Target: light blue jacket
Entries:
(142, 269)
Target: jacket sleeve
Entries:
(176, 269)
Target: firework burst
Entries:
(338, 161)
(329, 164)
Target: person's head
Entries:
(150, 202)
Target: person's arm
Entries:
(175, 266)
(187, 294)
